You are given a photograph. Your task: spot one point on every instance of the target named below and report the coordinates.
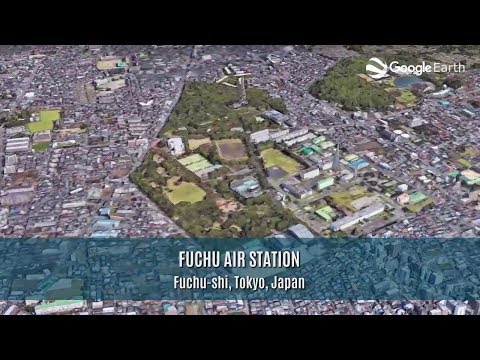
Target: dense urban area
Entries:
(237, 142)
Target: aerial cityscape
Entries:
(231, 141)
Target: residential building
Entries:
(416, 121)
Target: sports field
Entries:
(196, 143)
(45, 122)
(405, 97)
(274, 157)
(41, 147)
(231, 149)
(343, 199)
(184, 191)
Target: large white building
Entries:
(278, 134)
(260, 136)
(59, 306)
(310, 173)
(17, 145)
(176, 146)
(299, 139)
(293, 134)
(355, 218)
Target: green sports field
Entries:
(47, 118)
(274, 157)
(41, 147)
(185, 191)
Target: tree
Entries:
(223, 187)
(454, 81)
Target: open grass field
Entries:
(343, 199)
(403, 96)
(41, 147)
(47, 118)
(464, 163)
(231, 149)
(274, 157)
(184, 191)
(194, 144)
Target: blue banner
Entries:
(270, 268)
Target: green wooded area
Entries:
(343, 86)
(208, 103)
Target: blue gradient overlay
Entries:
(333, 269)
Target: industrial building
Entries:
(351, 157)
(17, 145)
(59, 306)
(306, 151)
(247, 187)
(43, 136)
(260, 136)
(318, 139)
(327, 165)
(105, 234)
(327, 213)
(11, 162)
(351, 220)
(310, 173)
(325, 144)
(276, 116)
(278, 134)
(299, 139)
(75, 204)
(324, 183)
(358, 164)
(300, 231)
(292, 135)
(296, 189)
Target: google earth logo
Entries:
(376, 68)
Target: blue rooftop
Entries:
(359, 164)
(105, 234)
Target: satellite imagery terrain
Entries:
(240, 179)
